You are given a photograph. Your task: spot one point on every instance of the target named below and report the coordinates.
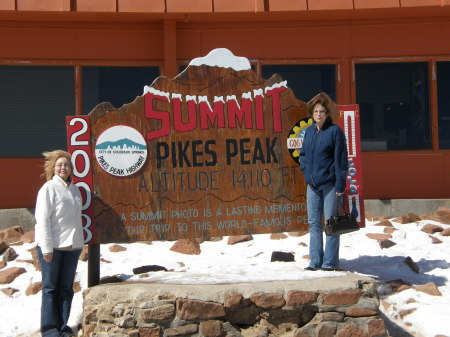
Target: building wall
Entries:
(171, 33)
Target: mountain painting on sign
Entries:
(216, 161)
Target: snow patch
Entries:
(222, 57)
(156, 92)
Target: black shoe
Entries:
(310, 269)
(330, 269)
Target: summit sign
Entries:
(203, 154)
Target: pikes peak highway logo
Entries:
(121, 151)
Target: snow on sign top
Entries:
(222, 57)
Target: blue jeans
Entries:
(57, 291)
(321, 203)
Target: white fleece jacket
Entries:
(58, 216)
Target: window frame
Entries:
(77, 70)
(305, 62)
(432, 94)
(434, 61)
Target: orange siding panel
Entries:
(367, 4)
(329, 4)
(402, 39)
(238, 6)
(107, 43)
(119, 44)
(446, 37)
(189, 44)
(170, 68)
(7, 5)
(241, 42)
(96, 6)
(20, 192)
(301, 42)
(20, 42)
(287, 5)
(420, 3)
(197, 40)
(141, 6)
(44, 5)
(447, 175)
(189, 6)
(405, 176)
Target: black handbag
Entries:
(340, 223)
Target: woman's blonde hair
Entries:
(50, 161)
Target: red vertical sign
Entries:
(349, 122)
(78, 143)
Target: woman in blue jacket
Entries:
(324, 163)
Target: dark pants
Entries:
(57, 291)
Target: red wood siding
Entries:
(130, 32)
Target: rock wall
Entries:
(347, 305)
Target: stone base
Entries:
(345, 305)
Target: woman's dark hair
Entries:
(324, 100)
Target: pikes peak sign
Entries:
(203, 154)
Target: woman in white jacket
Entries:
(59, 238)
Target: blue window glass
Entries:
(394, 106)
(35, 101)
(117, 85)
(306, 81)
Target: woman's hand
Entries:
(48, 257)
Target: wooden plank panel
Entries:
(383, 40)
(21, 42)
(96, 6)
(287, 5)
(277, 42)
(447, 175)
(189, 43)
(230, 6)
(445, 42)
(329, 4)
(367, 4)
(135, 44)
(141, 6)
(47, 5)
(420, 3)
(405, 175)
(7, 5)
(189, 6)
(18, 193)
(240, 41)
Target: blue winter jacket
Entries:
(324, 158)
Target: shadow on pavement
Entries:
(393, 328)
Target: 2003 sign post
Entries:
(78, 140)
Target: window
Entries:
(443, 85)
(306, 81)
(394, 105)
(35, 101)
(117, 85)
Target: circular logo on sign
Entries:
(121, 151)
(296, 135)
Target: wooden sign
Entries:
(203, 154)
